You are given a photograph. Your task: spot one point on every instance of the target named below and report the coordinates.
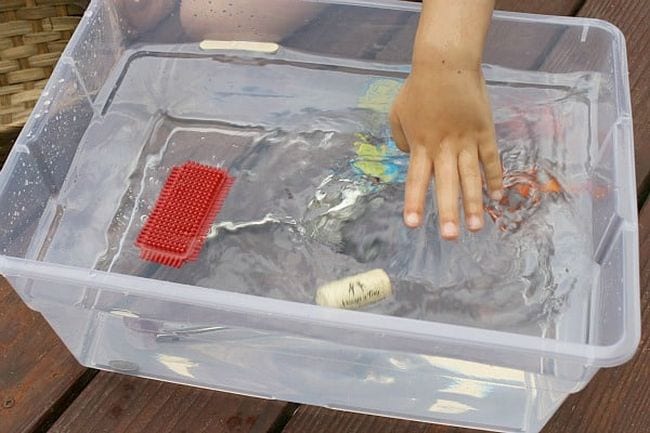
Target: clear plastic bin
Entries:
(132, 97)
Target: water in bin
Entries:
(318, 194)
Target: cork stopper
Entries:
(355, 291)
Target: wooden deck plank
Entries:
(7, 139)
(116, 403)
(547, 7)
(37, 373)
(347, 32)
(616, 400)
(504, 45)
(632, 17)
(360, 32)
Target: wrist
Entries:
(433, 56)
(451, 34)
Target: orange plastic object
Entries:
(188, 203)
(524, 191)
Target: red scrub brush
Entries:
(188, 203)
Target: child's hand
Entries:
(442, 116)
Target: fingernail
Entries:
(496, 195)
(474, 222)
(449, 230)
(412, 219)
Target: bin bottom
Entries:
(433, 389)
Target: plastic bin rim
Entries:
(318, 317)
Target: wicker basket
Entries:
(33, 33)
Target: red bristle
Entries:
(186, 207)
